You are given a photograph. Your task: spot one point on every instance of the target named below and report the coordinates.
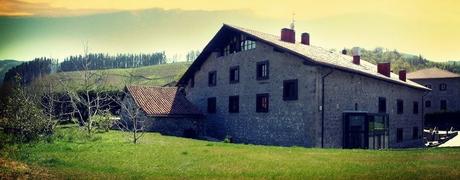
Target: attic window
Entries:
(237, 44)
(247, 43)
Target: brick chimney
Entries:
(356, 52)
(305, 38)
(402, 75)
(384, 69)
(288, 35)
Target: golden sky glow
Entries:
(428, 27)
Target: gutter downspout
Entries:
(423, 112)
(322, 106)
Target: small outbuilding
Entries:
(161, 109)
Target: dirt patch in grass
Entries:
(10, 169)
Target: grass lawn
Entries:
(110, 155)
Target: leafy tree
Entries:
(22, 117)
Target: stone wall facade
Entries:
(297, 122)
(451, 95)
(349, 92)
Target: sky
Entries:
(58, 28)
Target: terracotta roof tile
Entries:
(162, 101)
(432, 73)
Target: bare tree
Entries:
(43, 91)
(130, 112)
(130, 120)
(86, 95)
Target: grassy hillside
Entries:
(111, 156)
(6, 65)
(156, 75)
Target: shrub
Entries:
(228, 139)
(104, 121)
(23, 118)
(74, 134)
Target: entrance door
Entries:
(365, 130)
(355, 130)
(378, 131)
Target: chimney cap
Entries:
(305, 38)
(288, 35)
(356, 51)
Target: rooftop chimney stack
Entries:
(356, 52)
(402, 75)
(288, 35)
(384, 69)
(305, 39)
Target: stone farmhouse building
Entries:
(445, 93)
(259, 88)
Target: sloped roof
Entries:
(312, 54)
(432, 73)
(162, 101)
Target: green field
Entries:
(156, 75)
(110, 155)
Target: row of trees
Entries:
(39, 67)
(105, 61)
(30, 70)
(404, 61)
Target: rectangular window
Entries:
(212, 78)
(192, 81)
(415, 132)
(415, 110)
(212, 105)
(290, 89)
(262, 102)
(442, 87)
(233, 104)
(400, 106)
(382, 105)
(443, 105)
(427, 103)
(399, 135)
(234, 74)
(262, 70)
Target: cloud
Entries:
(22, 8)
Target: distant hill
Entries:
(155, 75)
(6, 65)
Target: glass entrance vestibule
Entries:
(365, 130)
